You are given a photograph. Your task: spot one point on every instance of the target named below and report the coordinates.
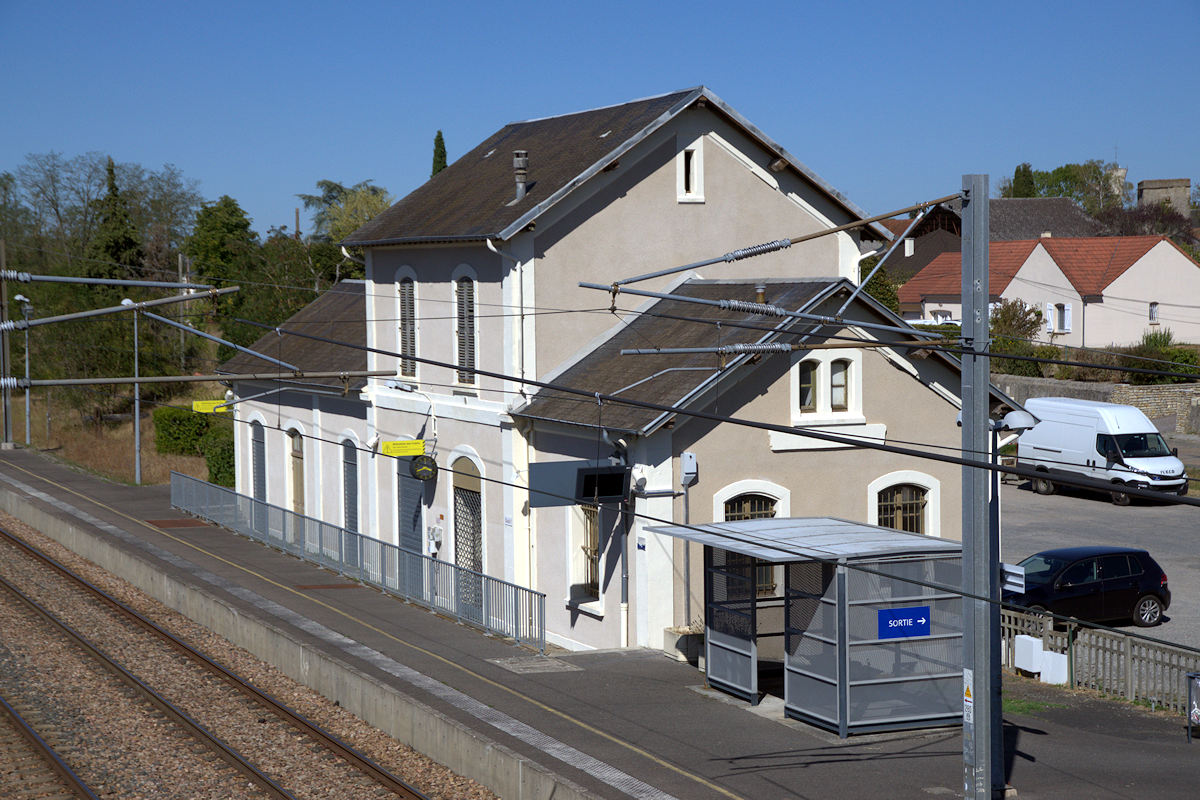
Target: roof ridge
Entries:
(648, 98)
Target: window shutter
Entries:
(1067, 317)
(408, 328)
(412, 491)
(258, 438)
(350, 484)
(466, 330)
(1049, 317)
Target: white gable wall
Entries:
(1165, 276)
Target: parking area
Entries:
(1170, 533)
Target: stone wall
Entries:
(1181, 401)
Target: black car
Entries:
(1095, 583)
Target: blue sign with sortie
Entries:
(902, 623)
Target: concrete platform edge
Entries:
(406, 719)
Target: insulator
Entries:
(753, 308)
(758, 249)
(9, 383)
(772, 347)
(13, 275)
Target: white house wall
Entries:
(1164, 276)
(632, 222)
(1040, 282)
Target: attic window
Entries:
(689, 174)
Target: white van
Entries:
(1106, 441)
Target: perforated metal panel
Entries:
(731, 652)
(411, 491)
(350, 485)
(258, 474)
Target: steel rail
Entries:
(74, 783)
(354, 757)
(169, 709)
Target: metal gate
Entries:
(811, 660)
(730, 595)
(468, 550)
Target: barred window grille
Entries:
(591, 551)
(465, 313)
(903, 507)
(408, 328)
(752, 506)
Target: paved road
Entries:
(1171, 533)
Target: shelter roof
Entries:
(339, 313)
(475, 197)
(781, 540)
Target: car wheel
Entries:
(1148, 611)
(1043, 486)
(1120, 498)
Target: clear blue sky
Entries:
(890, 103)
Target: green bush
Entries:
(217, 448)
(1010, 366)
(178, 430)
(1158, 345)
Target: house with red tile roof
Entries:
(1092, 292)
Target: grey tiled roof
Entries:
(473, 198)
(666, 379)
(1014, 218)
(339, 313)
(470, 198)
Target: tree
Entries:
(116, 249)
(339, 210)
(881, 286)
(1095, 185)
(1156, 219)
(1012, 325)
(439, 154)
(1022, 182)
(221, 240)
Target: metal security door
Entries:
(468, 551)
(410, 535)
(730, 596)
(350, 542)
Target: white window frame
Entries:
(1153, 313)
(933, 497)
(824, 413)
(1058, 317)
(407, 274)
(464, 272)
(689, 173)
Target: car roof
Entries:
(1071, 553)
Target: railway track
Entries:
(154, 693)
(30, 769)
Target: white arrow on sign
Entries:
(921, 620)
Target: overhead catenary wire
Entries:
(1082, 482)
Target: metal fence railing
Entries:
(1109, 661)
(468, 596)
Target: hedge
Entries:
(178, 430)
(217, 448)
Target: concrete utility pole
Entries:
(8, 440)
(983, 761)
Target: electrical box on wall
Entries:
(433, 539)
(688, 469)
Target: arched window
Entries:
(752, 506)
(902, 507)
(408, 327)
(464, 295)
(296, 467)
(468, 526)
(258, 460)
(350, 485)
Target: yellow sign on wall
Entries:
(403, 447)
(209, 406)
